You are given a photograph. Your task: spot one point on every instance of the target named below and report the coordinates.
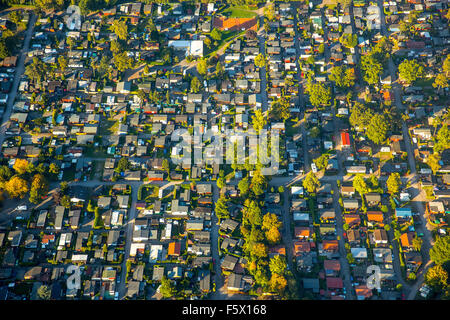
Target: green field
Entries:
(239, 12)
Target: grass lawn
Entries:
(108, 127)
(239, 12)
(227, 35)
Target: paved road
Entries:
(129, 236)
(413, 177)
(20, 68)
(262, 71)
(342, 251)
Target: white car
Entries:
(21, 208)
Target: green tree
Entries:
(410, 70)
(62, 63)
(258, 121)
(202, 67)
(219, 70)
(417, 243)
(377, 129)
(260, 61)
(216, 34)
(269, 12)
(221, 208)
(446, 66)
(122, 61)
(258, 184)
(65, 201)
(115, 47)
(53, 168)
(394, 183)
(195, 85)
(442, 140)
(280, 109)
(251, 214)
(44, 292)
(371, 69)
(321, 48)
(349, 40)
(166, 166)
(16, 187)
(244, 186)
(39, 188)
(436, 277)
(90, 207)
(167, 288)
(221, 180)
(119, 27)
(37, 71)
(319, 95)
(278, 265)
(311, 183)
(360, 185)
(98, 221)
(16, 17)
(342, 77)
(322, 161)
(441, 81)
(440, 253)
(5, 173)
(4, 51)
(360, 116)
(63, 186)
(122, 165)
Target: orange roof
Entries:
(375, 216)
(352, 219)
(302, 232)
(48, 237)
(302, 246)
(280, 249)
(174, 249)
(362, 290)
(330, 245)
(407, 239)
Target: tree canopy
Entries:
(311, 183)
(410, 70)
(342, 77)
(377, 129)
(319, 94)
(440, 253)
(394, 183)
(371, 69)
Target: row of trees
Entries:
(437, 276)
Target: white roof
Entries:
(359, 253)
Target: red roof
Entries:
(332, 265)
(301, 247)
(335, 283)
(345, 139)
